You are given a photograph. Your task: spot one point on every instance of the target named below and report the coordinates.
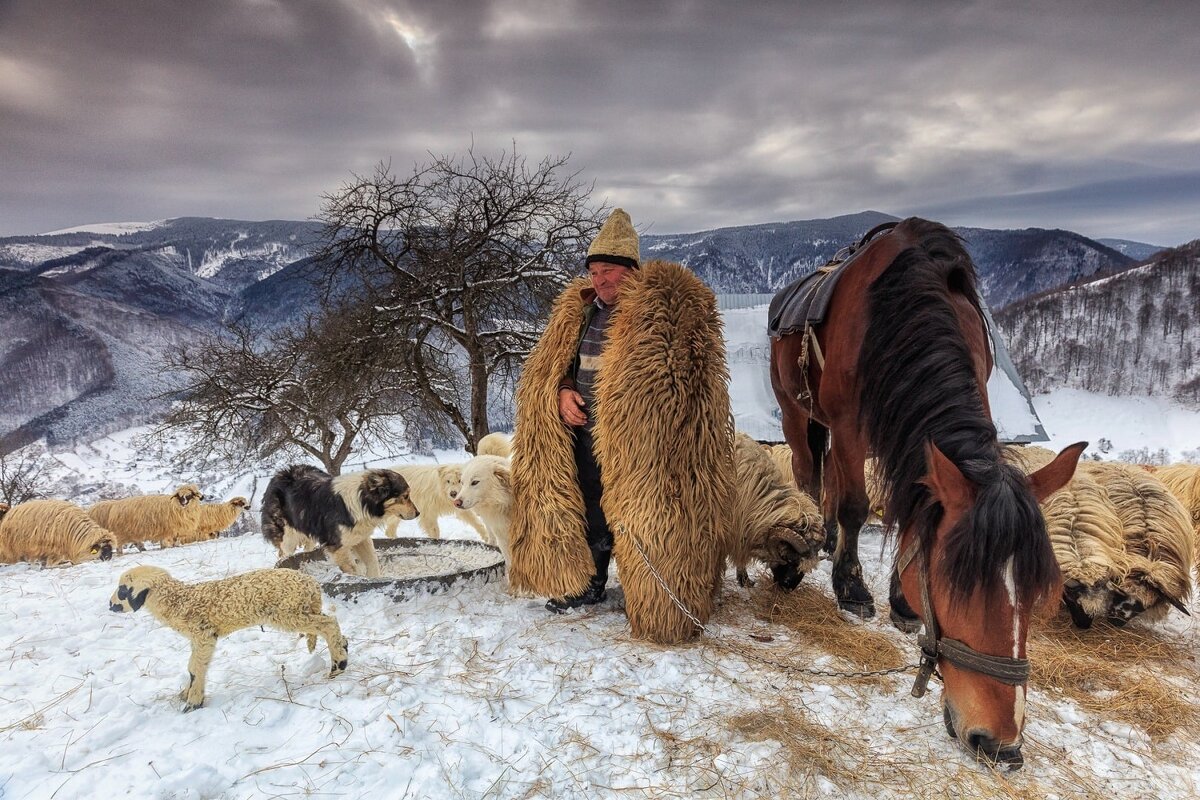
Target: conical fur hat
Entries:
(617, 242)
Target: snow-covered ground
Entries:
(473, 693)
(1130, 425)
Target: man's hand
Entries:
(570, 407)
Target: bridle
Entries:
(1012, 671)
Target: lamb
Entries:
(487, 490)
(53, 532)
(1158, 542)
(495, 444)
(4, 507)
(432, 488)
(204, 612)
(216, 517)
(771, 519)
(154, 517)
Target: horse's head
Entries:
(981, 549)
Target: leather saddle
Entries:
(803, 302)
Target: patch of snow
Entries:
(111, 228)
(1129, 423)
(30, 254)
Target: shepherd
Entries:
(624, 443)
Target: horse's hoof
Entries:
(903, 623)
(859, 609)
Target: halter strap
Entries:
(1011, 671)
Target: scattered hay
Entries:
(816, 618)
(809, 748)
(1118, 675)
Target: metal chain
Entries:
(745, 652)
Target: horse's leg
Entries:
(846, 493)
(901, 614)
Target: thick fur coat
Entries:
(665, 450)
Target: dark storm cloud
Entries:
(689, 114)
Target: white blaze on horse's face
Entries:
(1010, 584)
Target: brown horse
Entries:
(906, 359)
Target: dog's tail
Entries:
(273, 519)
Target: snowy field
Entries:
(472, 693)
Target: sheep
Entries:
(154, 517)
(770, 518)
(495, 444)
(53, 532)
(432, 488)
(1089, 545)
(781, 456)
(487, 490)
(216, 517)
(204, 612)
(1158, 542)
(4, 507)
(1183, 481)
(1028, 458)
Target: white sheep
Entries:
(214, 518)
(204, 612)
(162, 518)
(53, 532)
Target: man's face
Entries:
(606, 278)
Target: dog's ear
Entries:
(504, 476)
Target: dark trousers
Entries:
(599, 537)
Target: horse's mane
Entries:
(922, 387)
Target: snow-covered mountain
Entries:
(1133, 333)
(87, 311)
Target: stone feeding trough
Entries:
(408, 565)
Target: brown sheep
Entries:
(216, 517)
(781, 456)
(204, 612)
(153, 517)
(4, 507)
(770, 518)
(1158, 542)
(53, 532)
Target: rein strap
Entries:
(1011, 671)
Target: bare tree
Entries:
(318, 391)
(22, 475)
(462, 259)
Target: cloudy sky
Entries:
(690, 114)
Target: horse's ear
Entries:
(1058, 473)
(949, 486)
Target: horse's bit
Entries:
(1013, 671)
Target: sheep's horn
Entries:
(1178, 604)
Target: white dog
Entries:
(487, 490)
(495, 444)
(433, 489)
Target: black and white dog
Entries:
(337, 513)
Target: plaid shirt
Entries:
(582, 375)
